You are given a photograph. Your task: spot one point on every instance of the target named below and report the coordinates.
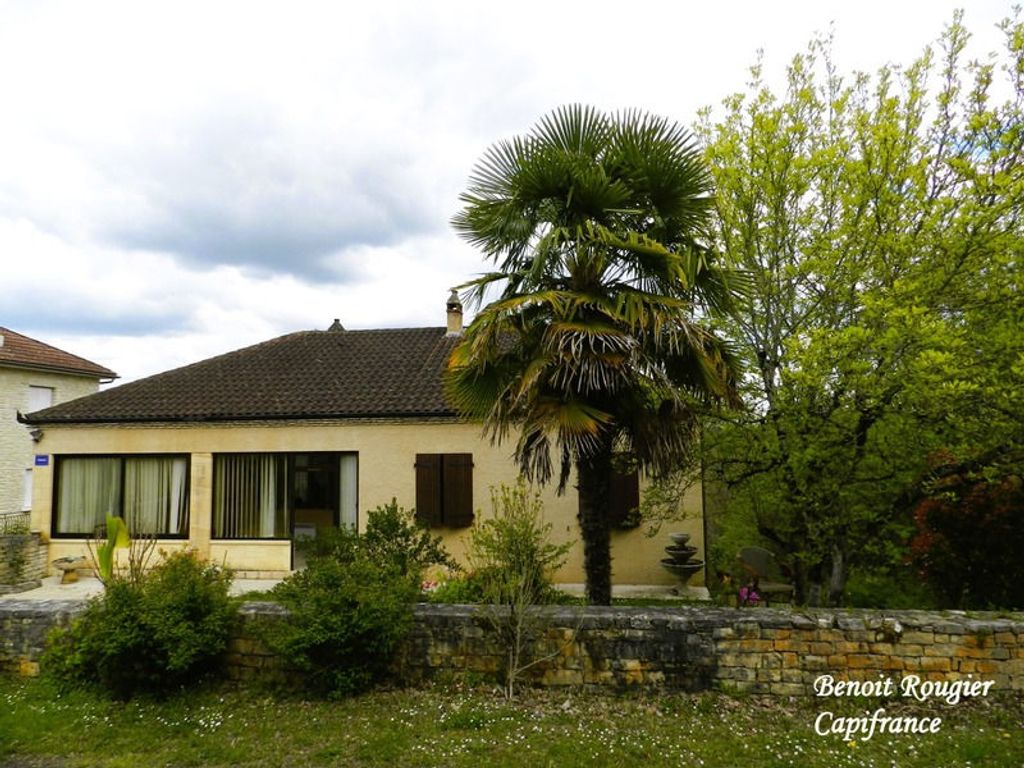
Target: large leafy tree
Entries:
(881, 221)
(593, 348)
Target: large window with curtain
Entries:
(278, 495)
(149, 492)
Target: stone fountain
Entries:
(680, 557)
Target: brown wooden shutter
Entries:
(623, 496)
(428, 489)
(457, 485)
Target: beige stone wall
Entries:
(16, 446)
(387, 452)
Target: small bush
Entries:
(392, 538)
(460, 590)
(351, 606)
(348, 618)
(510, 551)
(161, 632)
(969, 539)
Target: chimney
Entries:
(454, 314)
(336, 325)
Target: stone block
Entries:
(936, 664)
(771, 660)
(919, 638)
(795, 646)
(756, 645)
(748, 630)
(863, 661)
(793, 676)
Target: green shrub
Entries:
(392, 538)
(460, 590)
(348, 618)
(897, 588)
(510, 552)
(351, 606)
(162, 632)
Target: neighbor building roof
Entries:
(20, 351)
(304, 375)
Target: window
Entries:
(444, 489)
(39, 398)
(272, 495)
(149, 492)
(249, 496)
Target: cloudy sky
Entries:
(182, 179)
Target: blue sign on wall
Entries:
(42, 460)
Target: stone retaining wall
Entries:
(24, 625)
(22, 562)
(690, 649)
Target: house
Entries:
(33, 375)
(239, 455)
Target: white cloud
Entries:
(183, 179)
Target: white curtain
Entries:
(268, 496)
(348, 497)
(155, 501)
(90, 489)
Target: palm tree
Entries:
(599, 227)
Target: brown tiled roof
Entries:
(21, 351)
(305, 375)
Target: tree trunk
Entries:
(593, 486)
(840, 573)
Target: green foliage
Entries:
(463, 589)
(879, 220)
(392, 538)
(466, 726)
(113, 537)
(348, 617)
(351, 606)
(510, 552)
(598, 225)
(155, 635)
(513, 562)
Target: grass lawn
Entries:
(458, 727)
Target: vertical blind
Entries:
(252, 493)
(250, 499)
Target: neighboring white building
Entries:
(33, 375)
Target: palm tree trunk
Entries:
(594, 482)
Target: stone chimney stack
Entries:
(454, 314)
